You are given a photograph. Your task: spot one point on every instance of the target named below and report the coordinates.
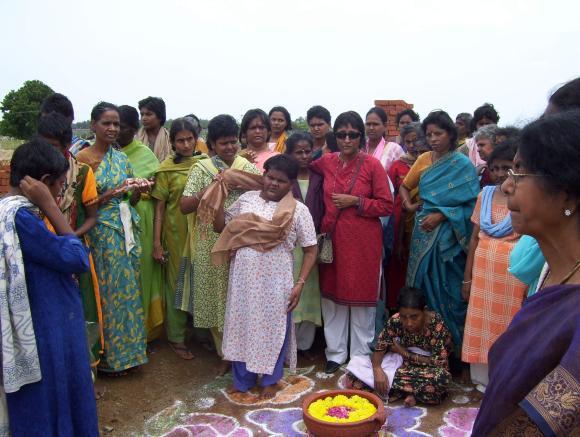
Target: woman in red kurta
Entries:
(357, 192)
(413, 139)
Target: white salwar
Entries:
(337, 321)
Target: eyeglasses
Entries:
(517, 176)
(351, 135)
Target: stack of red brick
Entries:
(392, 108)
(4, 177)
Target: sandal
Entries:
(181, 351)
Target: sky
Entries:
(224, 56)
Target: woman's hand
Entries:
(398, 349)
(37, 192)
(108, 195)
(294, 297)
(250, 155)
(342, 201)
(158, 254)
(431, 221)
(381, 381)
(411, 207)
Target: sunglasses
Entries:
(351, 135)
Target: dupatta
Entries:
(252, 230)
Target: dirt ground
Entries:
(174, 397)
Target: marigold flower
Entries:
(342, 409)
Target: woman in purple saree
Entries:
(534, 366)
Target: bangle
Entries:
(300, 281)
(466, 282)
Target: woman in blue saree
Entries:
(534, 367)
(116, 248)
(448, 188)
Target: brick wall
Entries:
(392, 108)
(4, 177)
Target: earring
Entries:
(567, 212)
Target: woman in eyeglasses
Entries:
(448, 187)
(534, 369)
(355, 193)
(494, 295)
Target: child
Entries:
(46, 374)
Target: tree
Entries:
(300, 124)
(20, 109)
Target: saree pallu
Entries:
(145, 164)
(437, 258)
(535, 365)
(118, 272)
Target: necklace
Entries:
(566, 278)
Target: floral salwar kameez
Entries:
(426, 382)
(210, 282)
(256, 321)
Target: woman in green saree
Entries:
(144, 163)
(448, 188)
(205, 295)
(171, 225)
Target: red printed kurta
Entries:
(353, 277)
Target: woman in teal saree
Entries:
(448, 188)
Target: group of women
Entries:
(262, 243)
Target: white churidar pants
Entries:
(337, 321)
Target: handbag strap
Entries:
(352, 182)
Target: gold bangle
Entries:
(300, 281)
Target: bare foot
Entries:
(232, 390)
(269, 391)
(181, 350)
(410, 401)
(394, 398)
(223, 368)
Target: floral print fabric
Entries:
(259, 287)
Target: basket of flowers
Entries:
(343, 413)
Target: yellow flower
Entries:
(358, 408)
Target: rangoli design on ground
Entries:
(290, 389)
(286, 422)
(458, 422)
(210, 425)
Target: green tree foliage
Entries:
(20, 109)
(300, 124)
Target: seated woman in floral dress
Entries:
(411, 355)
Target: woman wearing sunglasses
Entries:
(355, 194)
(534, 370)
(448, 187)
